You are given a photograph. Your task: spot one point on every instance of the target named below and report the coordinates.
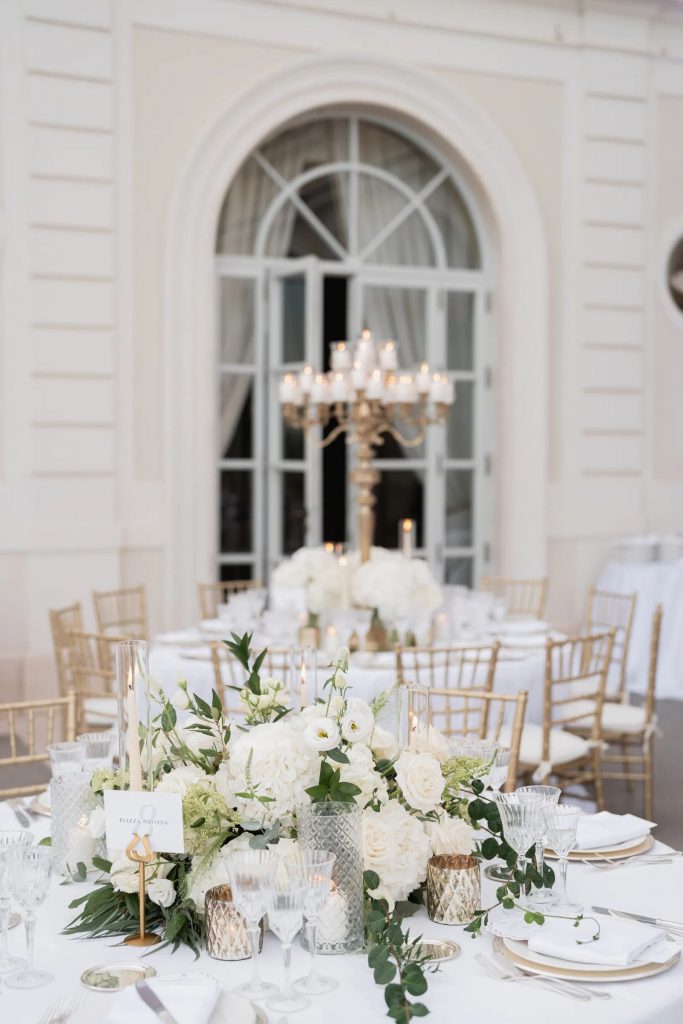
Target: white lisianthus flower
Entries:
(395, 846)
(180, 779)
(96, 823)
(161, 891)
(450, 835)
(429, 739)
(337, 705)
(181, 699)
(383, 744)
(321, 734)
(420, 779)
(357, 723)
(124, 876)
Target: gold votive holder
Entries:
(225, 930)
(453, 888)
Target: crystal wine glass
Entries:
(494, 780)
(30, 870)
(10, 840)
(544, 796)
(561, 823)
(251, 871)
(520, 827)
(286, 901)
(99, 748)
(315, 867)
(66, 757)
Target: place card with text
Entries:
(159, 816)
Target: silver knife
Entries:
(155, 1004)
(20, 814)
(658, 922)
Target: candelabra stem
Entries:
(365, 478)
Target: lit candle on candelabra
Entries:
(340, 358)
(302, 674)
(388, 359)
(289, 391)
(329, 547)
(306, 378)
(423, 379)
(406, 536)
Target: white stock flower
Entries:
(357, 723)
(395, 846)
(383, 743)
(96, 823)
(420, 779)
(321, 734)
(161, 891)
(450, 835)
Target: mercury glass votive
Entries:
(453, 888)
(226, 931)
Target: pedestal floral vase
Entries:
(336, 827)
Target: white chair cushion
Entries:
(564, 746)
(100, 710)
(621, 718)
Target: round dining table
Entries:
(461, 990)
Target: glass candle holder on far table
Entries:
(72, 801)
(226, 930)
(453, 888)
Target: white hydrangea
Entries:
(318, 572)
(398, 587)
(178, 780)
(396, 846)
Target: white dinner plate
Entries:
(519, 953)
(631, 848)
(522, 627)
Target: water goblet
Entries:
(561, 823)
(520, 827)
(544, 796)
(494, 780)
(315, 867)
(66, 757)
(30, 870)
(251, 871)
(286, 902)
(11, 839)
(98, 749)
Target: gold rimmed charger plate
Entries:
(36, 806)
(512, 949)
(610, 852)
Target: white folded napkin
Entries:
(620, 942)
(607, 829)
(191, 1000)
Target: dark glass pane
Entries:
(459, 508)
(455, 226)
(236, 511)
(245, 205)
(228, 573)
(293, 319)
(292, 441)
(459, 571)
(400, 495)
(236, 416)
(383, 147)
(460, 430)
(293, 235)
(335, 456)
(237, 320)
(293, 512)
(460, 331)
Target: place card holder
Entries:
(141, 859)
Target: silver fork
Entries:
(504, 974)
(63, 1010)
(573, 986)
(610, 863)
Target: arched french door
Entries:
(333, 224)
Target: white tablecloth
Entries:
(461, 991)
(367, 677)
(654, 583)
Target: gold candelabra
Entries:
(368, 397)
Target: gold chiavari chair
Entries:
(123, 612)
(62, 622)
(574, 691)
(213, 594)
(522, 597)
(26, 729)
(605, 610)
(473, 713)
(632, 729)
(464, 668)
(93, 670)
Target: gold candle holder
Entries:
(226, 932)
(453, 888)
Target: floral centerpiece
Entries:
(397, 588)
(317, 571)
(242, 784)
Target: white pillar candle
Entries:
(406, 529)
(359, 377)
(388, 358)
(339, 389)
(341, 358)
(306, 380)
(133, 746)
(405, 389)
(439, 388)
(319, 391)
(375, 387)
(423, 379)
(331, 642)
(288, 389)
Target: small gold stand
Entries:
(144, 938)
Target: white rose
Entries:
(96, 823)
(321, 734)
(395, 846)
(383, 744)
(429, 739)
(161, 891)
(179, 779)
(420, 779)
(180, 699)
(450, 835)
(124, 876)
